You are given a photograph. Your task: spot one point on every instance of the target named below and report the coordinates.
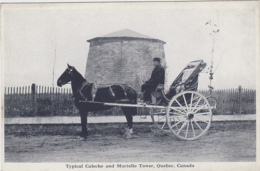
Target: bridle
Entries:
(69, 71)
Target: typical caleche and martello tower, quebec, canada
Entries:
(123, 57)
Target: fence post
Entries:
(239, 95)
(33, 92)
(52, 101)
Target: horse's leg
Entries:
(129, 118)
(83, 117)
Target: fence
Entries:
(28, 101)
(234, 101)
(36, 100)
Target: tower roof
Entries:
(126, 33)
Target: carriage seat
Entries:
(157, 94)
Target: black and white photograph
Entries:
(129, 85)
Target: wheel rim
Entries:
(192, 115)
(159, 119)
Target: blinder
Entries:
(69, 71)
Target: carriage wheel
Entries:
(159, 119)
(192, 115)
(212, 101)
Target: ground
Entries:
(225, 142)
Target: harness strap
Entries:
(93, 91)
(80, 90)
(113, 94)
(123, 89)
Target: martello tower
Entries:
(123, 57)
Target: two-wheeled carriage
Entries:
(182, 110)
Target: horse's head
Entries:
(66, 76)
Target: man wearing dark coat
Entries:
(157, 77)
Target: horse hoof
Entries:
(128, 136)
(83, 134)
(128, 133)
(82, 138)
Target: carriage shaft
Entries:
(124, 104)
(141, 105)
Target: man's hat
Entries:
(157, 59)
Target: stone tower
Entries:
(123, 57)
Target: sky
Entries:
(33, 33)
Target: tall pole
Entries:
(53, 68)
(214, 30)
(53, 72)
(211, 67)
(239, 91)
(33, 93)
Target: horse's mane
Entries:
(78, 76)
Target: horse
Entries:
(90, 93)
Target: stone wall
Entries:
(122, 61)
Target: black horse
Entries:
(84, 91)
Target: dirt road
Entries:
(226, 141)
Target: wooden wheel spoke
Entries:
(192, 128)
(183, 125)
(202, 120)
(178, 118)
(196, 104)
(205, 113)
(183, 108)
(204, 105)
(198, 125)
(178, 110)
(187, 130)
(175, 114)
(161, 118)
(163, 125)
(191, 101)
(176, 124)
(201, 105)
(185, 101)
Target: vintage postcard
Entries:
(130, 86)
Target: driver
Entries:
(157, 77)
